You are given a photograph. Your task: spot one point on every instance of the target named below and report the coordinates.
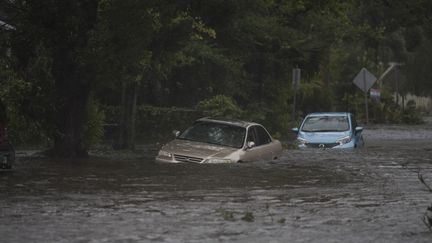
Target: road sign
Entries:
(364, 80)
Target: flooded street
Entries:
(365, 195)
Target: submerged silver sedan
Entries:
(211, 140)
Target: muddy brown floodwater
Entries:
(365, 195)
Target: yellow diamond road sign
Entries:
(364, 80)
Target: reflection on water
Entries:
(87, 176)
(305, 196)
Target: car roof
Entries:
(234, 122)
(329, 114)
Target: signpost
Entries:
(295, 86)
(364, 80)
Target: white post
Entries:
(365, 96)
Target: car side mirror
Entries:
(295, 130)
(358, 129)
(250, 144)
(176, 133)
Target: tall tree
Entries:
(141, 43)
(60, 30)
(121, 40)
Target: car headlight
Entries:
(164, 154)
(218, 161)
(302, 141)
(344, 140)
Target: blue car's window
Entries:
(215, 133)
(326, 124)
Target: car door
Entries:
(254, 153)
(265, 144)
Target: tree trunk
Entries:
(71, 119)
(133, 117)
(72, 90)
(120, 141)
(72, 79)
(126, 139)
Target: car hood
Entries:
(197, 149)
(323, 137)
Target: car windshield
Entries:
(215, 133)
(326, 124)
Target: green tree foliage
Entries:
(50, 50)
(122, 38)
(194, 53)
(418, 69)
(380, 32)
(220, 106)
(93, 128)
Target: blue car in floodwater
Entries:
(329, 130)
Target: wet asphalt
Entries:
(372, 194)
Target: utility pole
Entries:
(295, 86)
